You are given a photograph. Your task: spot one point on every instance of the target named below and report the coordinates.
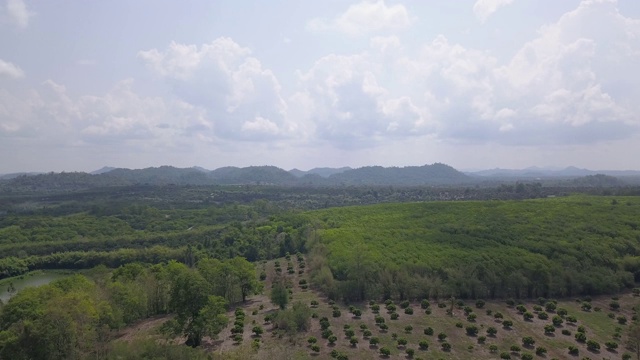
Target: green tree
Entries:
(279, 294)
(198, 313)
(245, 274)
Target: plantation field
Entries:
(600, 324)
(552, 247)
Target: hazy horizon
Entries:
(474, 84)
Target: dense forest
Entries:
(554, 247)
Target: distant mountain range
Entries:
(436, 174)
(536, 172)
(431, 175)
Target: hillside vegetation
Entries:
(524, 249)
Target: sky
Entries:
(475, 84)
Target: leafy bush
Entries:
(541, 351)
(472, 330)
(528, 341)
(425, 304)
(593, 345)
(408, 311)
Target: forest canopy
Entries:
(478, 249)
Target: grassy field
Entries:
(597, 322)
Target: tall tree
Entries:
(245, 274)
(198, 313)
(279, 293)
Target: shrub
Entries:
(375, 308)
(394, 316)
(408, 311)
(385, 351)
(442, 336)
(402, 342)
(446, 346)
(527, 316)
(571, 319)
(472, 330)
(459, 325)
(468, 310)
(428, 331)
(480, 303)
(258, 330)
(332, 339)
(410, 352)
(314, 303)
(336, 313)
(581, 337)
(507, 323)
(566, 332)
(425, 304)
(505, 355)
(528, 341)
(550, 306)
(423, 344)
(573, 350)
(543, 316)
(472, 317)
(315, 348)
(384, 326)
(391, 308)
(557, 320)
(492, 331)
(374, 341)
(353, 341)
(521, 309)
(515, 348)
(540, 351)
(366, 333)
(586, 306)
(526, 356)
(498, 315)
(408, 328)
(611, 345)
(357, 313)
(482, 339)
(593, 345)
(405, 304)
(493, 348)
(562, 312)
(614, 305)
(549, 329)
(312, 340)
(622, 319)
(349, 333)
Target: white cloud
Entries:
(483, 9)
(232, 86)
(10, 70)
(119, 116)
(350, 108)
(19, 13)
(365, 17)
